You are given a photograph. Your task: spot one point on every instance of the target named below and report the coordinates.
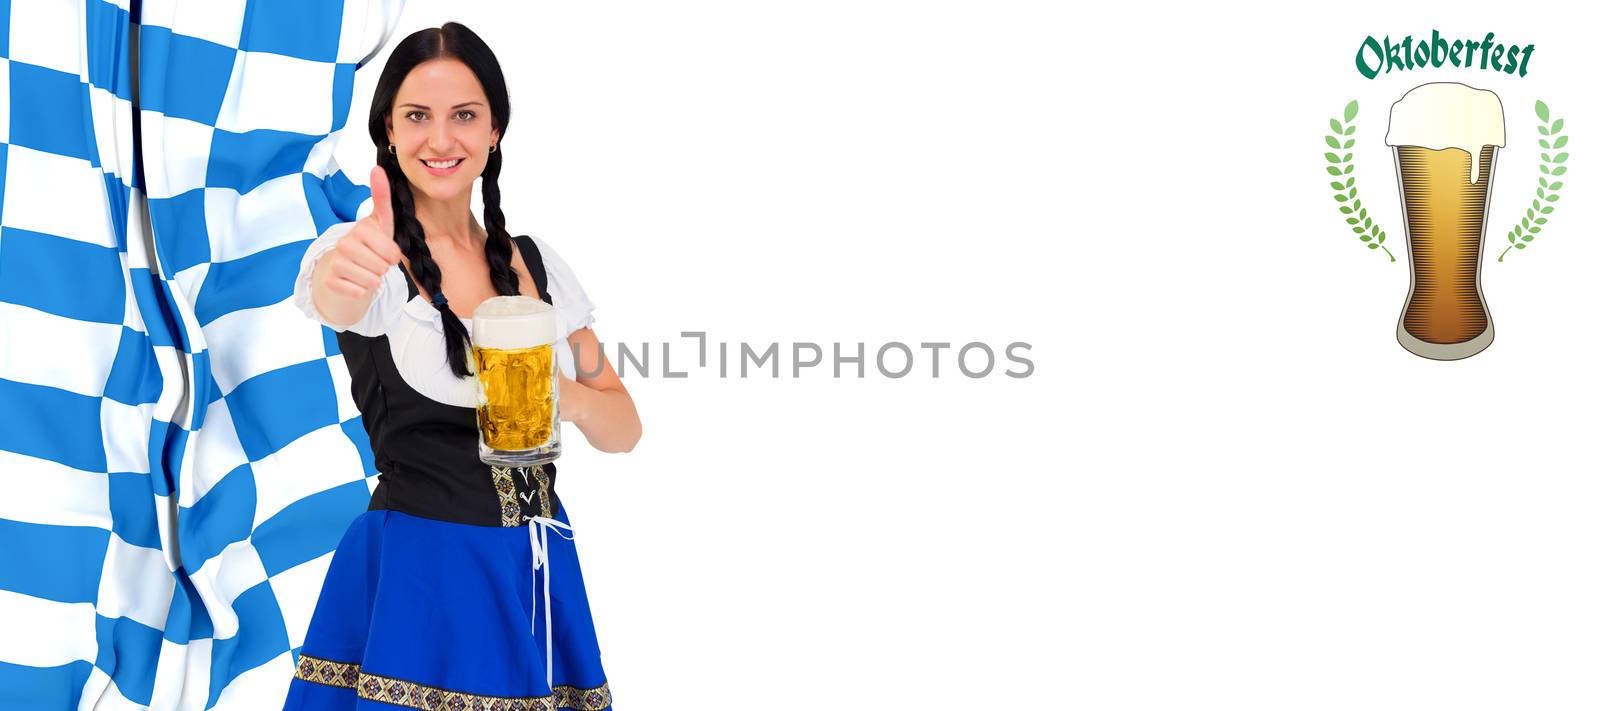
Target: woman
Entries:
(438, 597)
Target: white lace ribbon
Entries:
(538, 536)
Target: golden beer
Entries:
(517, 411)
(1445, 138)
(514, 360)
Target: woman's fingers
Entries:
(363, 255)
(384, 246)
(382, 208)
(347, 288)
(358, 261)
(367, 247)
(356, 274)
(371, 233)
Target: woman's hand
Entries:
(347, 276)
(570, 394)
(597, 402)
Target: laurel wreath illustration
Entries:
(1344, 191)
(1552, 166)
(1342, 168)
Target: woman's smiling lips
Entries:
(441, 167)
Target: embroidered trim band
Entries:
(542, 488)
(429, 698)
(506, 487)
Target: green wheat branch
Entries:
(1344, 191)
(1534, 219)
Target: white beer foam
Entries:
(1448, 115)
(510, 322)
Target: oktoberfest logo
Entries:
(1446, 139)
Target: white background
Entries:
(1225, 484)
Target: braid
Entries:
(408, 234)
(498, 246)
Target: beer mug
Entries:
(513, 352)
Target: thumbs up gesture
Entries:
(356, 265)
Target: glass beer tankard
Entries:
(513, 352)
(1446, 138)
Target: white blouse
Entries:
(416, 333)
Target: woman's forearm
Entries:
(607, 418)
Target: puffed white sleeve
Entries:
(577, 311)
(387, 303)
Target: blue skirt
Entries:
(424, 614)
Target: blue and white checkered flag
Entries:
(179, 452)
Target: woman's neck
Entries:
(450, 220)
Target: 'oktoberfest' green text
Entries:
(1374, 58)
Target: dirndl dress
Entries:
(459, 587)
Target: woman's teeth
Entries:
(442, 164)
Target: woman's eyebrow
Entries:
(457, 106)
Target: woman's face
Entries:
(441, 128)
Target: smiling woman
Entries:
(444, 135)
(430, 599)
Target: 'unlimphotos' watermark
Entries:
(893, 359)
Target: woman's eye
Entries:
(466, 115)
(416, 116)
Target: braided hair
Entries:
(453, 41)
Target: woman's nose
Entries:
(439, 139)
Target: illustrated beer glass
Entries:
(513, 351)
(1445, 137)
